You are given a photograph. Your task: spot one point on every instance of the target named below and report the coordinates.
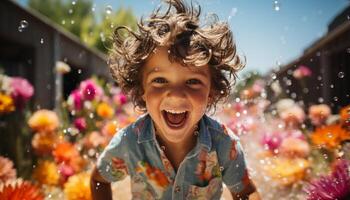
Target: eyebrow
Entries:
(198, 72)
(152, 71)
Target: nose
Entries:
(176, 92)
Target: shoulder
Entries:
(219, 131)
(130, 133)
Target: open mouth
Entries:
(175, 119)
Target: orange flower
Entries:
(68, 154)
(19, 190)
(78, 187)
(46, 173)
(44, 143)
(345, 113)
(6, 104)
(104, 110)
(43, 121)
(319, 113)
(330, 136)
(64, 152)
(110, 128)
(7, 172)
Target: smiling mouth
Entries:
(175, 119)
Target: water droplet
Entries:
(41, 41)
(222, 92)
(70, 11)
(331, 86)
(289, 82)
(341, 74)
(306, 90)
(319, 78)
(233, 13)
(221, 168)
(91, 115)
(20, 29)
(335, 98)
(79, 71)
(348, 50)
(63, 22)
(109, 10)
(23, 24)
(276, 5)
(237, 99)
(273, 76)
(93, 8)
(293, 95)
(74, 2)
(72, 21)
(320, 100)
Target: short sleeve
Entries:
(111, 164)
(235, 174)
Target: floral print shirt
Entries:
(217, 158)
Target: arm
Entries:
(100, 188)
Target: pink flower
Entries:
(90, 90)
(334, 186)
(272, 140)
(80, 124)
(293, 115)
(301, 72)
(258, 86)
(120, 99)
(319, 114)
(66, 171)
(294, 147)
(75, 100)
(21, 91)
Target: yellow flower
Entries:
(6, 104)
(104, 110)
(43, 121)
(78, 187)
(46, 173)
(287, 171)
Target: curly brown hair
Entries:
(189, 43)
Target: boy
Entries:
(175, 71)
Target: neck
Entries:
(176, 152)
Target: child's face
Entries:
(176, 96)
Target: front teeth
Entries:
(175, 112)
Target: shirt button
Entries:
(177, 189)
(162, 147)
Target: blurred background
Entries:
(290, 107)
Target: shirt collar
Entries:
(145, 131)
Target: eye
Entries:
(193, 82)
(159, 80)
